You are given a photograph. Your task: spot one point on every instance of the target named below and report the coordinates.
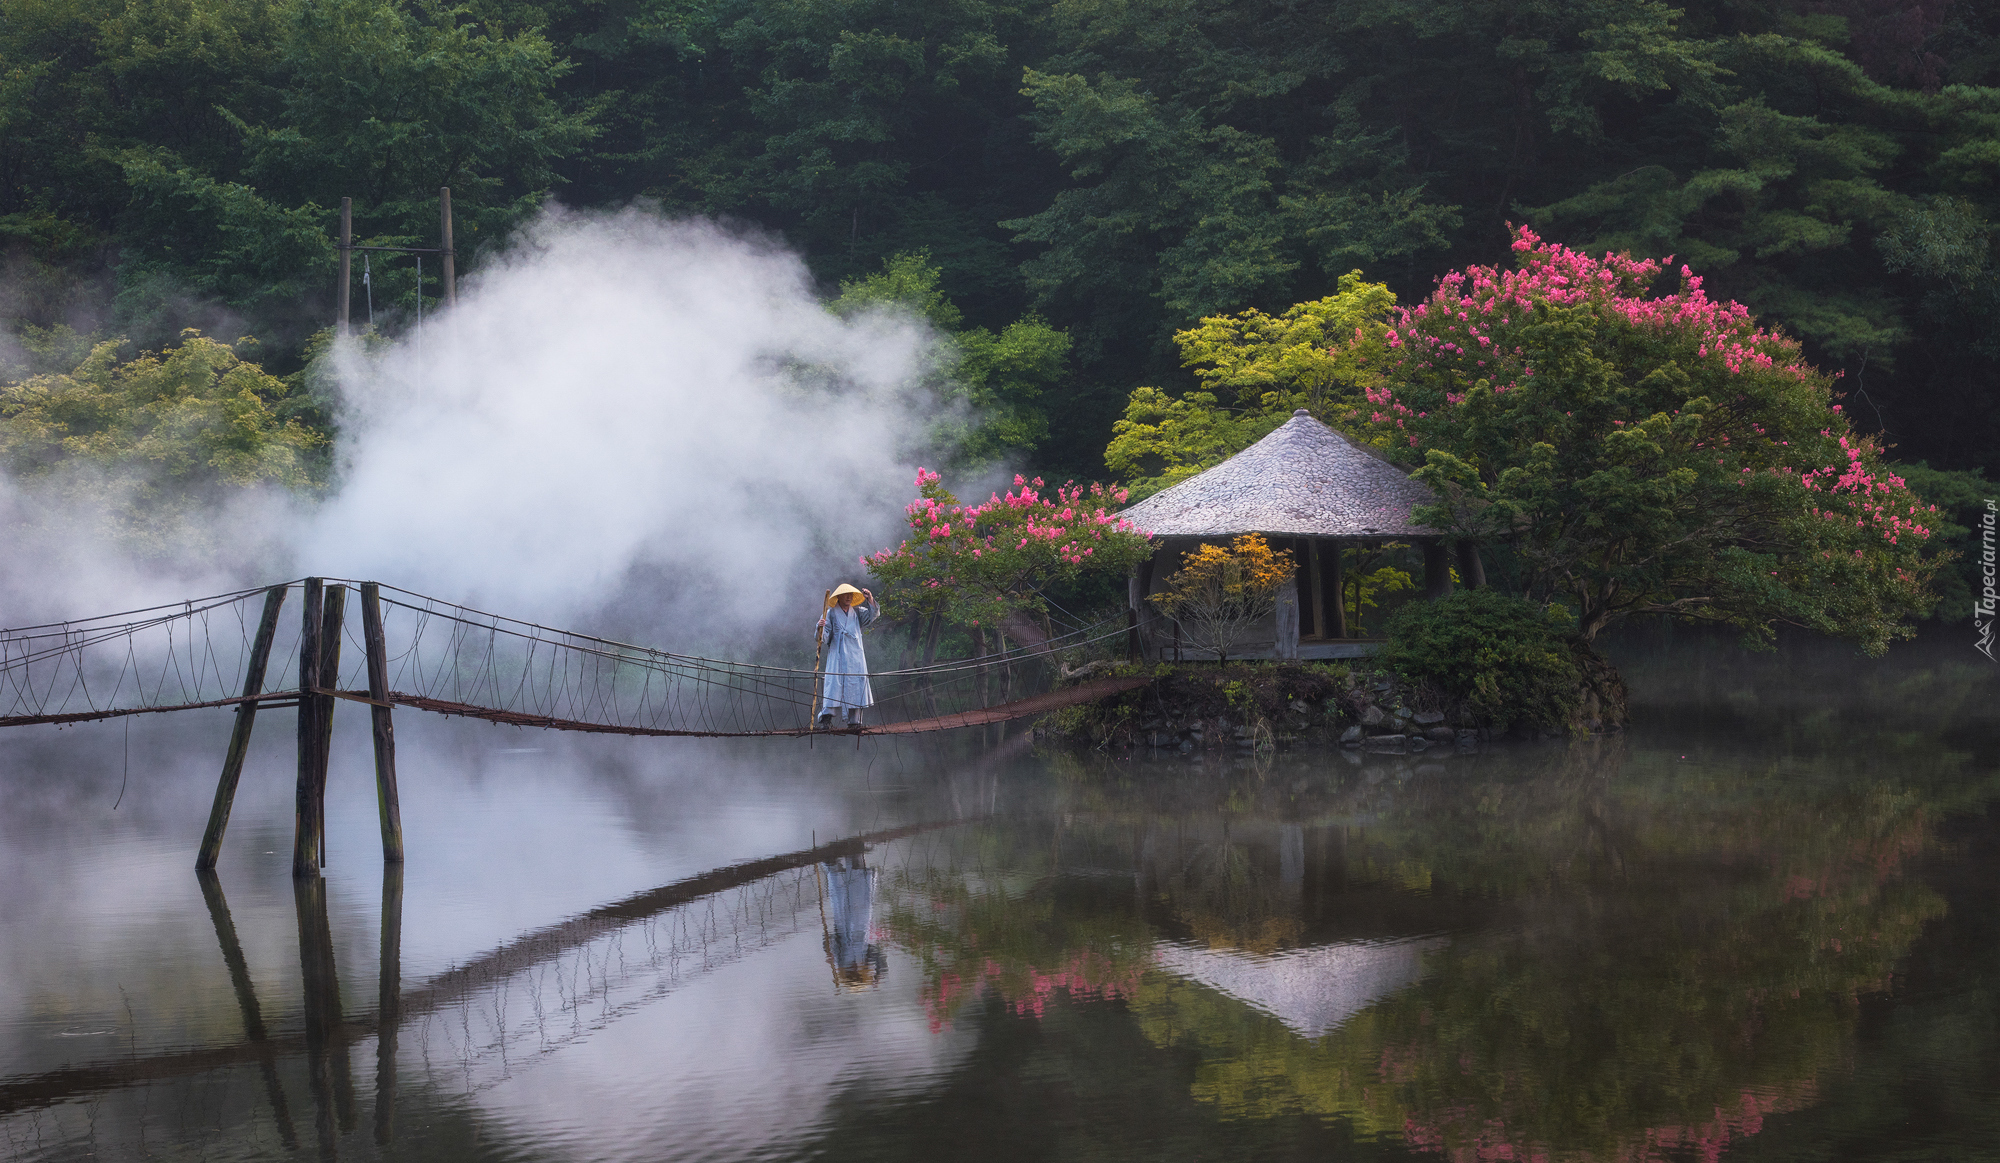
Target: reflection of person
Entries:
(848, 917)
(844, 683)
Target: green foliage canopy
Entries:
(999, 378)
(1124, 169)
(1649, 455)
(149, 441)
(1321, 356)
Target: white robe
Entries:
(844, 685)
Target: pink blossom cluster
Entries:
(1878, 501)
(1071, 525)
(1459, 326)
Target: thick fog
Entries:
(628, 423)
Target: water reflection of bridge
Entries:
(559, 982)
(444, 658)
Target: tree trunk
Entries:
(1601, 693)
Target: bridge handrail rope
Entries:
(548, 676)
(458, 661)
(1059, 642)
(182, 608)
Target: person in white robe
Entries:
(844, 678)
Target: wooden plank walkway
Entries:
(1086, 692)
(1018, 709)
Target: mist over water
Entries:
(643, 425)
(628, 406)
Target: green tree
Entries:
(1649, 455)
(1322, 356)
(152, 439)
(201, 149)
(1163, 441)
(1315, 355)
(1000, 377)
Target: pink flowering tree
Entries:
(1648, 454)
(975, 564)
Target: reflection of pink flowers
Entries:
(1027, 990)
(1456, 1134)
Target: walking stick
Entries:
(819, 660)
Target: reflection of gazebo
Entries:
(1311, 990)
(1309, 491)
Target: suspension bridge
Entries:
(445, 658)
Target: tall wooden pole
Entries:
(450, 259)
(319, 669)
(305, 824)
(346, 259)
(387, 802)
(329, 679)
(239, 739)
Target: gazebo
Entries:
(1310, 491)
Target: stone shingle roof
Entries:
(1303, 480)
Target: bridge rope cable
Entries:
(451, 658)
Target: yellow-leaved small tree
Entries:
(1219, 593)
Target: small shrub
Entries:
(1218, 593)
(1510, 660)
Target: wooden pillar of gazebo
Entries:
(1437, 570)
(1471, 570)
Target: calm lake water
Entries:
(1764, 924)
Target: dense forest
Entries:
(1094, 174)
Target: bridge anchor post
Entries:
(319, 670)
(239, 739)
(387, 801)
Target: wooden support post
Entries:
(341, 285)
(1315, 586)
(1337, 585)
(389, 1004)
(1471, 570)
(1437, 571)
(450, 258)
(387, 802)
(305, 824)
(239, 739)
(319, 669)
(329, 679)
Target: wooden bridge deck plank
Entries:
(1018, 709)
(1086, 692)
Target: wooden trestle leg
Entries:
(387, 801)
(319, 670)
(239, 739)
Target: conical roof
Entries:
(1303, 480)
